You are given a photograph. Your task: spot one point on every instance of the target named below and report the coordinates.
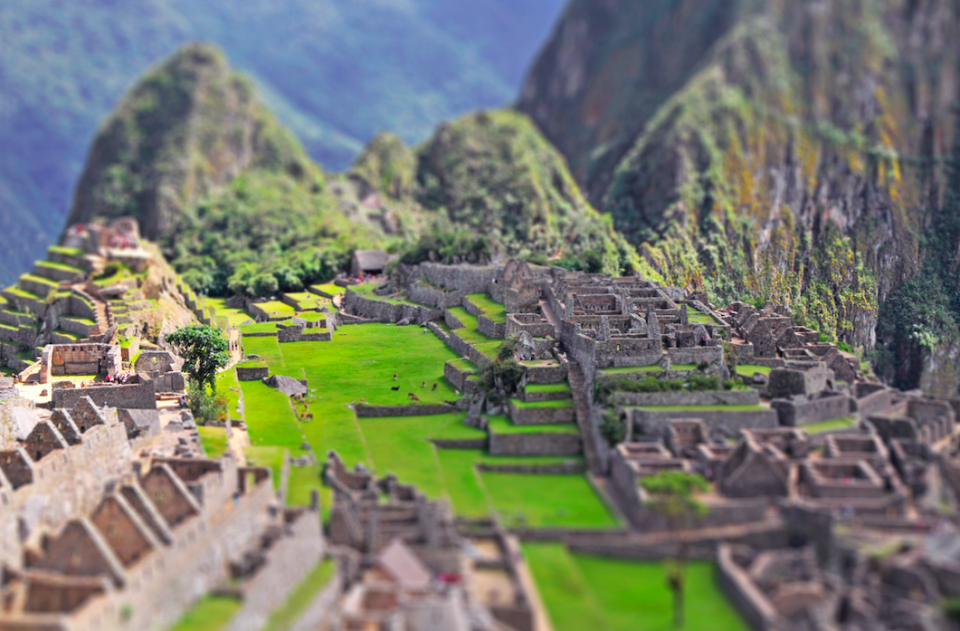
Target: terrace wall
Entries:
(655, 422)
(545, 444)
(797, 412)
(141, 396)
(709, 397)
(541, 415)
(379, 411)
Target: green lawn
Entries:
(302, 481)
(308, 300)
(501, 425)
(211, 613)
(328, 288)
(601, 594)
(544, 501)
(270, 457)
(214, 441)
(559, 403)
(701, 318)
(235, 317)
(275, 308)
(268, 348)
(683, 367)
(469, 332)
(465, 365)
(229, 386)
(491, 308)
(828, 426)
(703, 408)
(630, 369)
(359, 364)
(262, 327)
(366, 290)
(300, 598)
(748, 370)
(63, 267)
(563, 386)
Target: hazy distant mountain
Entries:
(334, 71)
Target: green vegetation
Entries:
(600, 594)
(214, 440)
(749, 370)
(204, 351)
(545, 501)
(300, 598)
(631, 369)
(235, 317)
(563, 386)
(63, 267)
(210, 613)
(490, 308)
(559, 403)
(359, 365)
(263, 327)
(58, 249)
(701, 318)
(830, 426)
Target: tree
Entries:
(672, 497)
(203, 350)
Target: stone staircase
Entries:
(577, 386)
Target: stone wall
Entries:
(755, 608)
(141, 396)
(874, 402)
(795, 379)
(377, 411)
(655, 422)
(546, 444)
(383, 311)
(531, 323)
(554, 373)
(695, 355)
(541, 415)
(491, 328)
(802, 411)
(80, 359)
(710, 397)
(298, 333)
(65, 484)
(456, 376)
(252, 373)
(468, 279)
(286, 563)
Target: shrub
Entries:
(613, 427)
(846, 348)
(207, 407)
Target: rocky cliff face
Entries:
(792, 151)
(187, 127)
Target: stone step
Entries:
(577, 387)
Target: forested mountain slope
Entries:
(793, 151)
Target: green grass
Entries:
(359, 364)
(229, 386)
(559, 403)
(300, 598)
(601, 594)
(748, 370)
(683, 367)
(469, 332)
(57, 249)
(210, 613)
(268, 348)
(263, 327)
(828, 426)
(465, 365)
(302, 481)
(214, 441)
(545, 501)
(235, 317)
(501, 425)
(329, 288)
(40, 279)
(270, 457)
(630, 369)
(366, 290)
(308, 300)
(81, 320)
(491, 308)
(276, 308)
(703, 408)
(563, 386)
(701, 318)
(73, 336)
(22, 293)
(309, 316)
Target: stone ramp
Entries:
(577, 386)
(551, 318)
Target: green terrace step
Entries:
(58, 271)
(60, 336)
(9, 333)
(38, 285)
(13, 317)
(502, 425)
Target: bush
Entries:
(207, 407)
(846, 348)
(613, 427)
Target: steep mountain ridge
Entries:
(804, 159)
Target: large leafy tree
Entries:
(673, 497)
(204, 351)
